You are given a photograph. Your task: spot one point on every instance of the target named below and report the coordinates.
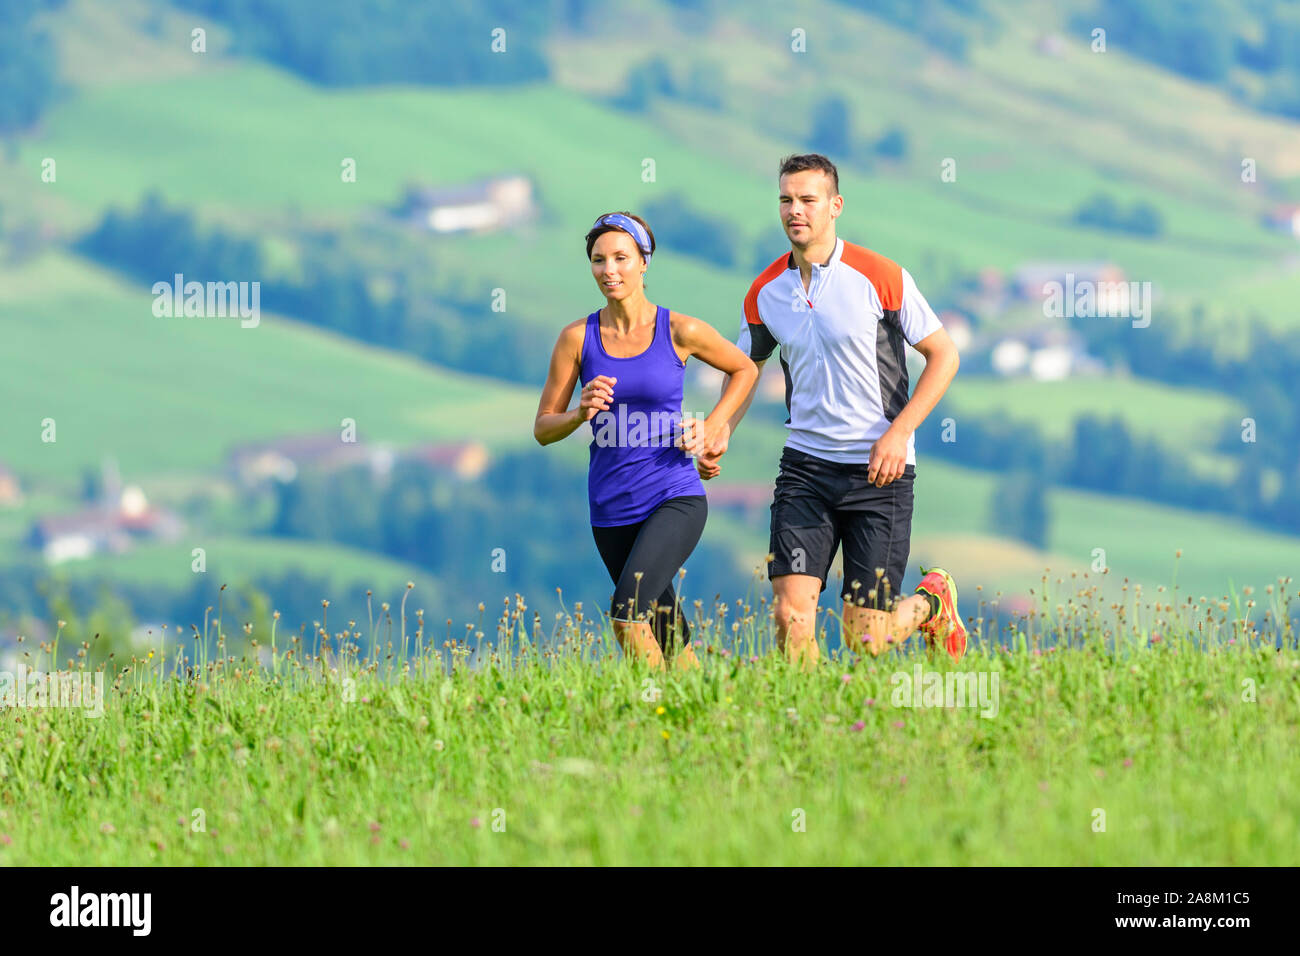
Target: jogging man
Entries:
(841, 314)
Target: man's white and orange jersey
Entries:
(841, 347)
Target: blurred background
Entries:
(409, 184)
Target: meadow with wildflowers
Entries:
(1159, 734)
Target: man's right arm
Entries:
(756, 342)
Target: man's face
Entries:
(808, 206)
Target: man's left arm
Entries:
(924, 332)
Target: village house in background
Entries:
(466, 459)
(282, 459)
(482, 206)
(1047, 353)
(122, 517)
(11, 494)
(1109, 280)
(771, 382)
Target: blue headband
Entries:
(631, 227)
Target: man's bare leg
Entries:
(795, 605)
(880, 630)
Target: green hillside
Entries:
(109, 153)
(183, 390)
(256, 149)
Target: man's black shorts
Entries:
(819, 503)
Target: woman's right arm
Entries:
(554, 421)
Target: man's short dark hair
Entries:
(800, 162)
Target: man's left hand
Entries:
(888, 458)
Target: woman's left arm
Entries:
(705, 343)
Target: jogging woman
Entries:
(647, 502)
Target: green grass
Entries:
(571, 756)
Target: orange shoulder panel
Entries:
(764, 277)
(885, 274)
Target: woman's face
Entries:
(616, 265)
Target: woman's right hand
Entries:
(597, 396)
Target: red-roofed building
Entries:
(103, 529)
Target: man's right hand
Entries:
(707, 464)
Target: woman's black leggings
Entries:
(657, 546)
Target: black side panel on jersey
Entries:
(789, 387)
(761, 342)
(891, 364)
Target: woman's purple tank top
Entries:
(635, 465)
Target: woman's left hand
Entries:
(697, 436)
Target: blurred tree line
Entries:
(28, 67)
(398, 302)
(103, 611)
(1102, 455)
(702, 85)
(1103, 212)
